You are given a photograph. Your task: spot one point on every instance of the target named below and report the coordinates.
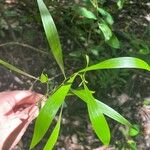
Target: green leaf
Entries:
(107, 16)
(54, 136)
(99, 123)
(13, 68)
(51, 34)
(120, 62)
(120, 4)
(49, 111)
(108, 111)
(134, 130)
(43, 78)
(86, 13)
(132, 145)
(97, 118)
(114, 42)
(105, 30)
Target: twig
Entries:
(31, 87)
(50, 79)
(24, 45)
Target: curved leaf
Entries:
(107, 16)
(108, 111)
(134, 130)
(114, 42)
(54, 136)
(105, 30)
(120, 62)
(97, 118)
(51, 34)
(120, 3)
(99, 123)
(49, 111)
(86, 13)
(105, 109)
(13, 68)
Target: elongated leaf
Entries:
(99, 123)
(49, 111)
(107, 16)
(54, 136)
(51, 34)
(105, 30)
(97, 118)
(120, 62)
(86, 13)
(13, 68)
(114, 42)
(108, 111)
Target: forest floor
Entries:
(21, 45)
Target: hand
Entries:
(17, 110)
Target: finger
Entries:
(31, 99)
(17, 127)
(9, 99)
(6, 128)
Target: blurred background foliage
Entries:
(100, 29)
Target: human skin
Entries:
(17, 110)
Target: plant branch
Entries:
(24, 45)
